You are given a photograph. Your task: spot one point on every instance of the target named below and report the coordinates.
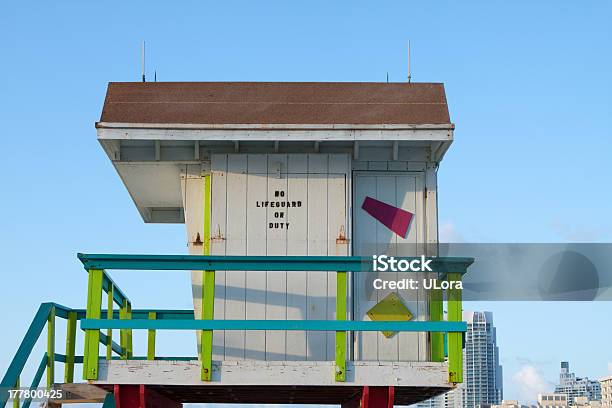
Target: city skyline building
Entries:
(552, 400)
(483, 379)
(606, 392)
(573, 386)
(483, 373)
(510, 404)
(584, 402)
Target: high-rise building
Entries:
(606, 392)
(482, 375)
(573, 386)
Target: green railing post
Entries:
(151, 339)
(208, 310)
(16, 400)
(341, 289)
(71, 325)
(123, 313)
(455, 340)
(208, 291)
(109, 316)
(436, 314)
(51, 348)
(92, 337)
(130, 349)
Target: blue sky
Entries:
(528, 85)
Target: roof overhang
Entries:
(147, 156)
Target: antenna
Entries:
(387, 77)
(143, 62)
(155, 76)
(409, 72)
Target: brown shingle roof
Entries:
(275, 103)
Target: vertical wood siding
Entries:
(322, 183)
(240, 227)
(404, 190)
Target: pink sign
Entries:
(396, 219)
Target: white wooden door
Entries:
(371, 237)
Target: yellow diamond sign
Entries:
(390, 308)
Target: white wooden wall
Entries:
(240, 227)
(322, 183)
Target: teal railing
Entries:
(45, 318)
(445, 335)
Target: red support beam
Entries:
(127, 396)
(377, 397)
(141, 396)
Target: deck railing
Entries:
(447, 268)
(446, 336)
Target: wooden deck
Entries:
(245, 394)
(274, 382)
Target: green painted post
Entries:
(123, 332)
(436, 313)
(109, 316)
(130, 349)
(16, 399)
(51, 348)
(208, 308)
(92, 337)
(208, 291)
(70, 347)
(341, 286)
(455, 340)
(151, 339)
(207, 208)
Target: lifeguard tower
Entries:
(285, 190)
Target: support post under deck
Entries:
(141, 396)
(373, 397)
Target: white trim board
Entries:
(359, 373)
(277, 134)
